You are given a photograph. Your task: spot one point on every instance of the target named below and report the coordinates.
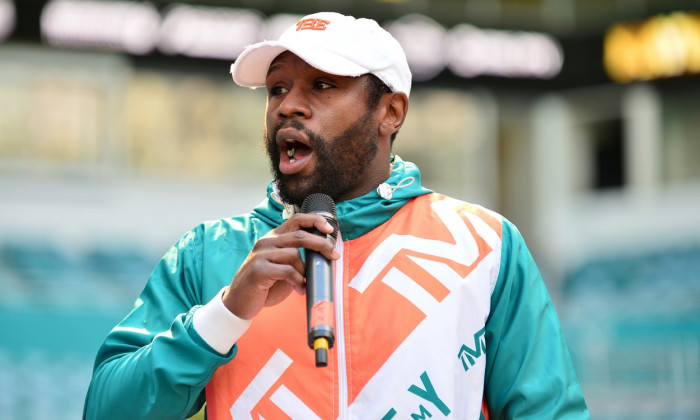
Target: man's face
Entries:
(319, 134)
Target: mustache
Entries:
(314, 138)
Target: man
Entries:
(440, 309)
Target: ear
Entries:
(394, 107)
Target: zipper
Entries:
(340, 334)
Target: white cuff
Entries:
(218, 326)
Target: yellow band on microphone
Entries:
(321, 343)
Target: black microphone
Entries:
(320, 313)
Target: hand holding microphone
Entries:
(320, 311)
(274, 267)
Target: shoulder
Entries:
(449, 208)
(216, 236)
(238, 228)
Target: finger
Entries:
(297, 239)
(322, 225)
(278, 292)
(310, 241)
(266, 272)
(306, 221)
(288, 274)
(287, 256)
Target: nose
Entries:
(294, 104)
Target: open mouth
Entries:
(293, 154)
(290, 153)
(295, 150)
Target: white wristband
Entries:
(218, 326)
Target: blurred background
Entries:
(120, 129)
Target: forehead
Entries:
(285, 60)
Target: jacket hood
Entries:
(359, 215)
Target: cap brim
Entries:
(251, 67)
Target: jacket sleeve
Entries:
(153, 364)
(529, 373)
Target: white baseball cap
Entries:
(333, 43)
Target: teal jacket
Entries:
(154, 364)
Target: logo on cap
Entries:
(313, 24)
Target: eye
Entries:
(321, 85)
(277, 90)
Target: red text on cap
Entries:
(313, 24)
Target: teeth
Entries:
(290, 153)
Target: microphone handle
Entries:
(319, 305)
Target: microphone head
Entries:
(322, 204)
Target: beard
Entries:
(340, 162)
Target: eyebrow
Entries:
(272, 67)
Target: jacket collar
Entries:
(362, 214)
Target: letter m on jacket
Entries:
(468, 355)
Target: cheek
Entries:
(270, 113)
(269, 123)
(333, 122)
